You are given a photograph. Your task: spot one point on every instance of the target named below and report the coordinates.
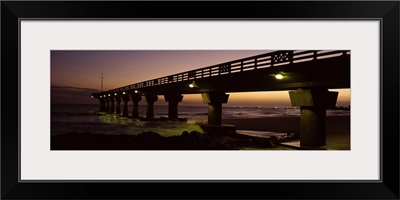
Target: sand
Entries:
(337, 128)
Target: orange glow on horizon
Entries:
(263, 99)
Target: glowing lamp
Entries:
(109, 94)
(278, 76)
(115, 94)
(123, 92)
(136, 91)
(192, 85)
(92, 96)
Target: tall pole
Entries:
(101, 90)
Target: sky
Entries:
(76, 74)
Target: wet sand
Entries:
(337, 128)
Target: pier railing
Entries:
(276, 58)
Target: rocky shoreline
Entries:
(154, 141)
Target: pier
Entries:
(306, 75)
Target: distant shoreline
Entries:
(205, 105)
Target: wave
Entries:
(69, 118)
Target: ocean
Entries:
(77, 118)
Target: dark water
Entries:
(76, 118)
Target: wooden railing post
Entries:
(272, 60)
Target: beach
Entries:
(79, 127)
(260, 129)
(337, 128)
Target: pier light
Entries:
(279, 76)
(192, 85)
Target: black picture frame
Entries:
(386, 11)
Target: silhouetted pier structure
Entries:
(306, 74)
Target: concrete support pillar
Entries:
(150, 99)
(112, 106)
(125, 99)
(215, 101)
(136, 98)
(107, 108)
(173, 100)
(313, 104)
(102, 104)
(118, 108)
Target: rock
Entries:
(195, 134)
(149, 135)
(185, 134)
